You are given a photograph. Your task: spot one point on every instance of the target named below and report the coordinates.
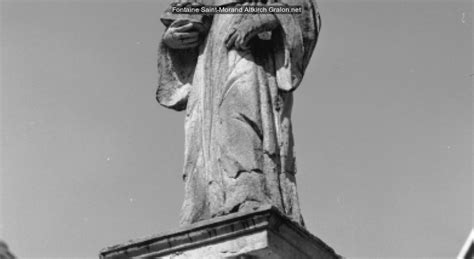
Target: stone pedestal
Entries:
(260, 234)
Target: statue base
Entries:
(264, 233)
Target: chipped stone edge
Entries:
(207, 232)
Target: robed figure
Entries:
(234, 75)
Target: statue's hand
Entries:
(182, 34)
(252, 25)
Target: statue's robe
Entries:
(239, 152)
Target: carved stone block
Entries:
(264, 233)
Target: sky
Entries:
(382, 123)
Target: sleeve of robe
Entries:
(176, 67)
(299, 33)
(175, 73)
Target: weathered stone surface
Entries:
(264, 233)
(236, 87)
(5, 252)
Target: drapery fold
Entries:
(239, 151)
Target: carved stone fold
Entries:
(239, 147)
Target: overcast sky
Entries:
(382, 122)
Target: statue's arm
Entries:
(295, 37)
(175, 72)
(247, 27)
(299, 34)
(177, 57)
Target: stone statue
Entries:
(234, 74)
